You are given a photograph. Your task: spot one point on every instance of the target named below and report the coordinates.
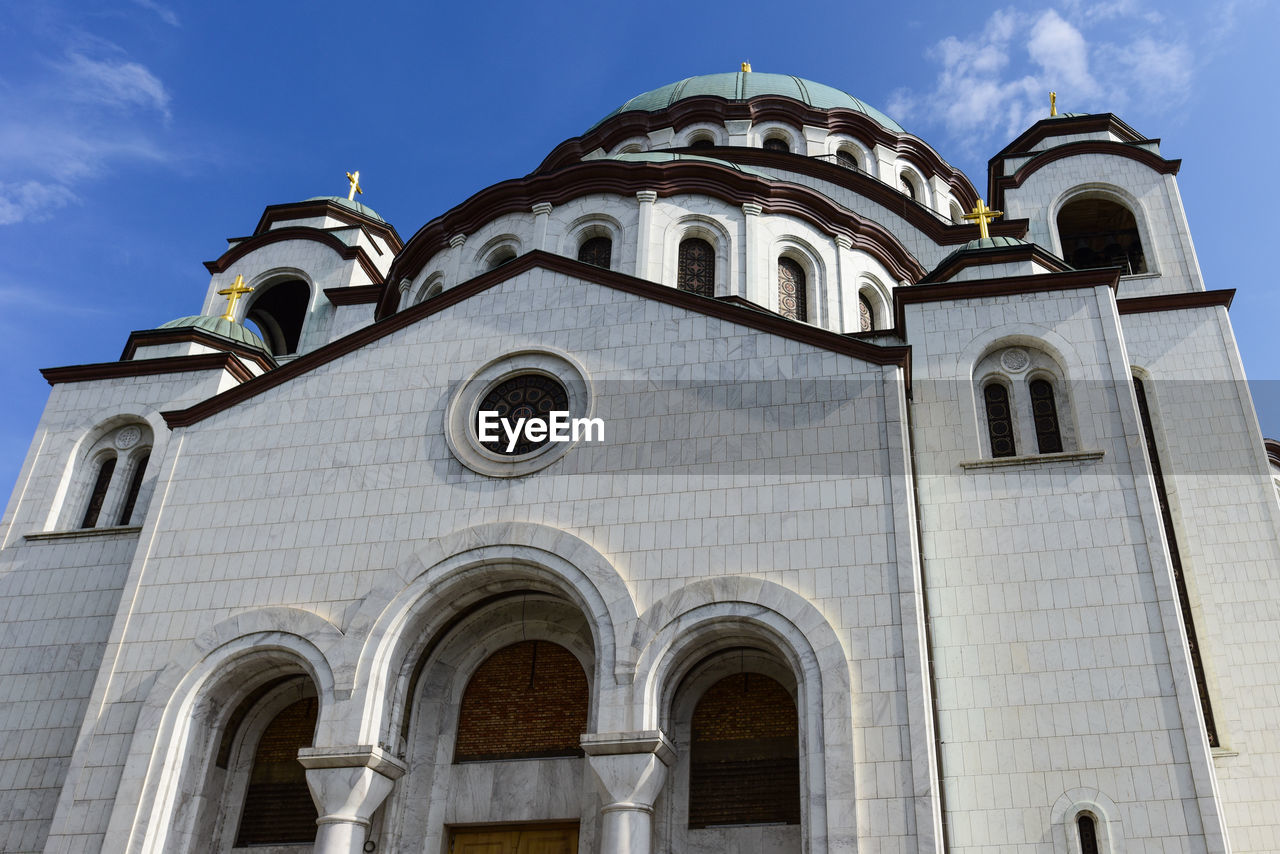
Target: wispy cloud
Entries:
(996, 82)
(72, 119)
(166, 14)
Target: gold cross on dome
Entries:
(746, 66)
(982, 215)
(233, 294)
(354, 178)
(1053, 103)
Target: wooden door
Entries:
(516, 839)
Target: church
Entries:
(919, 518)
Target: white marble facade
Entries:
(981, 649)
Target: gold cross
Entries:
(1053, 103)
(982, 215)
(233, 294)
(354, 178)
(746, 66)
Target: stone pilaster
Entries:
(644, 235)
(541, 215)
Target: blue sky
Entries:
(136, 135)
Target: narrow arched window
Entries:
(792, 290)
(866, 317)
(99, 493)
(697, 267)
(1088, 834)
(905, 184)
(702, 142)
(596, 251)
(278, 809)
(744, 754)
(999, 420)
(774, 143)
(505, 255)
(528, 700)
(1045, 413)
(135, 486)
(846, 159)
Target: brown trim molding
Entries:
(964, 258)
(752, 318)
(666, 179)
(1002, 287)
(998, 185)
(1273, 451)
(324, 207)
(155, 337)
(319, 235)
(356, 295)
(762, 108)
(864, 185)
(1175, 302)
(148, 367)
(1064, 125)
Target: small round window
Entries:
(517, 400)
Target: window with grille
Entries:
(1088, 835)
(792, 290)
(847, 160)
(696, 271)
(135, 486)
(99, 494)
(1044, 411)
(597, 251)
(999, 420)
(774, 143)
(866, 317)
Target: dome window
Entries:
(907, 186)
(697, 267)
(502, 256)
(866, 317)
(847, 159)
(776, 143)
(702, 140)
(792, 287)
(1098, 232)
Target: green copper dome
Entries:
(363, 210)
(993, 242)
(743, 85)
(234, 332)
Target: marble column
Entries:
(347, 785)
(754, 285)
(541, 216)
(632, 769)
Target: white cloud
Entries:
(996, 82)
(115, 84)
(74, 120)
(166, 14)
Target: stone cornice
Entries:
(148, 367)
(1005, 286)
(328, 208)
(356, 295)
(1175, 302)
(159, 337)
(998, 185)
(296, 232)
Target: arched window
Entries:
(866, 316)
(999, 420)
(906, 185)
(792, 290)
(596, 251)
(1098, 232)
(1045, 412)
(696, 270)
(278, 809)
(527, 700)
(744, 754)
(1088, 829)
(847, 159)
(500, 256)
(775, 143)
(278, 312)
(106, 467)
(957, 214)
(135, 486)
(702, 141)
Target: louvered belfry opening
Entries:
(278, 809)
(526, 701)
(744, 760)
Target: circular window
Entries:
(500, 401)
(518, 400)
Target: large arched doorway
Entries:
(1100, 232)
(278, 312)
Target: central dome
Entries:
(744, 85)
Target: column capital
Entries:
(647, 197)
(361, 756)
(844, 241)
(542, 208)
(752, 209)
(618, 743)
(457, 240)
